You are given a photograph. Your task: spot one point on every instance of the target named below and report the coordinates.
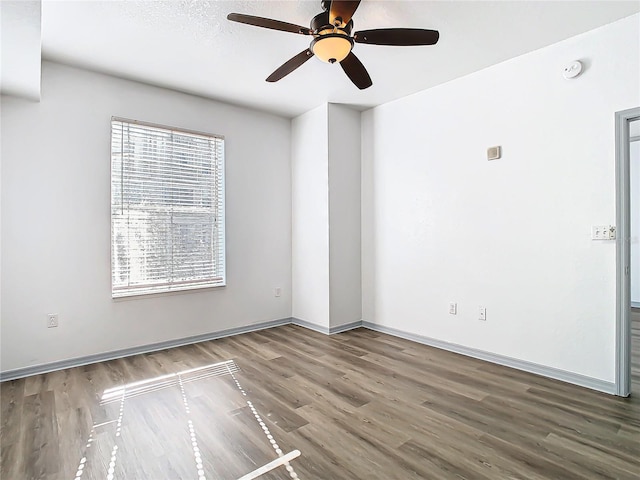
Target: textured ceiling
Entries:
(189, 45)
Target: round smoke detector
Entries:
(572, 70)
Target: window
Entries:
(167, 209)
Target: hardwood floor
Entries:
(635, 351)
(357, 405)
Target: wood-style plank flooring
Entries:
(357, 405)
(635, 351)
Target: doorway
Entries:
(628, 262)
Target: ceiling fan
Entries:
(332, 40)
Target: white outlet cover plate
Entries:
(603, 232)
(52, 320)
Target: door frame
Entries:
(623, 251)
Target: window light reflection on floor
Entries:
(165, 381)
(179, 379)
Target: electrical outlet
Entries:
(453, 308)
(482, 313)
(603, 232)
(277, 292)
(52, 320)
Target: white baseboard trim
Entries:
(311, 326)
(635, 304)
(550, 372)
(127, 352)
(345, 327)
(327, 331)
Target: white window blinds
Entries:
(167, 209)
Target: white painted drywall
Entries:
(56, 220)
(368, 209)
(634, 152)
(344, 216)
(20, 39)
(441, 223)
(310, 217)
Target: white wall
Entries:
(56, 220)
(325, 156)
(441, 223)
(344, 216)
(20, 41)
(310, 217)
(634, 152)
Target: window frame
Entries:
(219, 164)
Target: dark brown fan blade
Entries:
(290, 65)
(343, 9)
(397, 36)
(356, 71)
(268, 23)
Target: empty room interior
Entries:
(319, 239)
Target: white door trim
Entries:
(623, 227)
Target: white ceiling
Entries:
(189, 45)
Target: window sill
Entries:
(124, 295)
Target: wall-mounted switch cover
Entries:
(453, 308)
(482, 313)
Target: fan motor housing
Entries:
(321, 22)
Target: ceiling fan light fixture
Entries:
(332, 47)
(333, 40)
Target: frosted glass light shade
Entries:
(331, 48)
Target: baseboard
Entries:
(345, 327)
(327, 331)
(127, 352)
(635, 304)
(574, 378)
(310, 326)
(551, 372)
